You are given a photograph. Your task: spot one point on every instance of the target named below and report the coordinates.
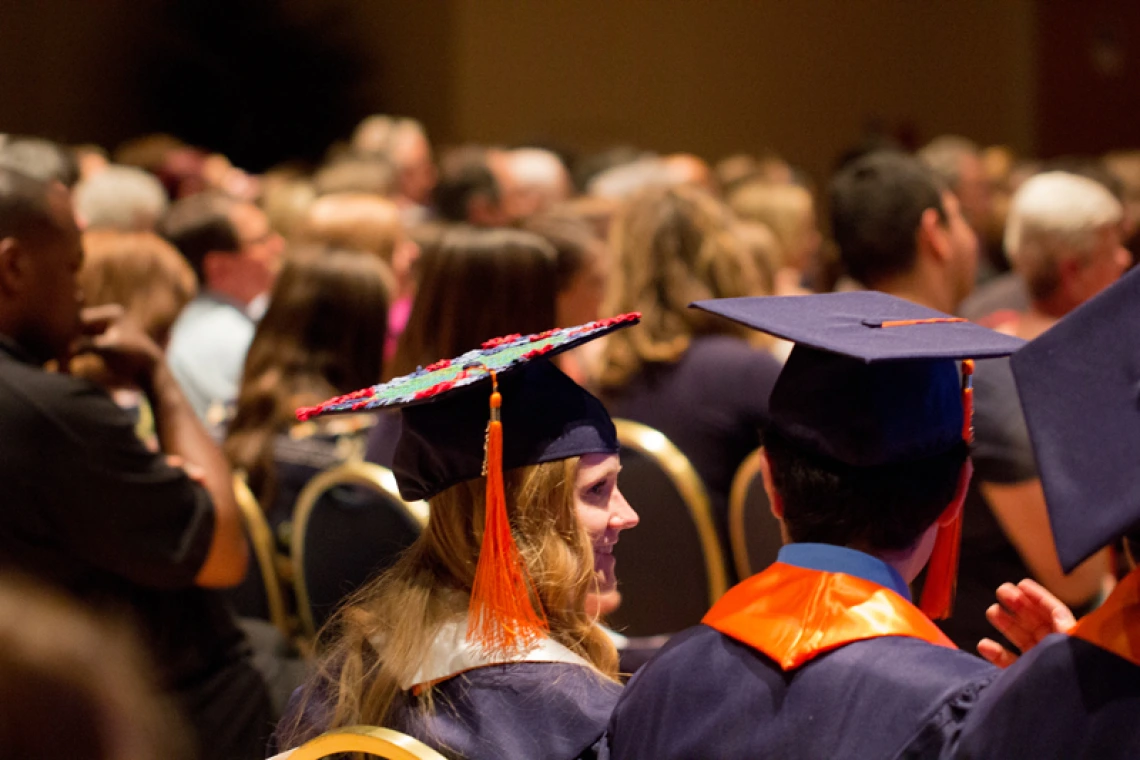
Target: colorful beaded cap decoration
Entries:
(497, 355)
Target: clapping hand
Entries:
(1025, 614)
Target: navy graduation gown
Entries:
(1065, 698)
(515, 711)
(709, 695)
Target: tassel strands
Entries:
(942, 572)
(502, 619)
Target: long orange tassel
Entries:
(942, 571)
(501, 617)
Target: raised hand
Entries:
(1025, 614)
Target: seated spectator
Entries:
(120, 198)
(476, 186)
(76, 686)
(40, 159)
(789, 212)
(372, 176)
(142, 273)
(323, 335)
(691, 376)
(474, 285)
(91, 510)
(479, 641)
(900, 231)
(957, 162)
(1063, 237)
(580, 286)
(235, 255)
(368, 223)
(541, 178)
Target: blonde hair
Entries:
(378, 640)
(784, 208)
(674, 246)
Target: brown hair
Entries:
(476, 285)
(379, 638)
(322, 335)
(674, 246)
(786, 209)
(75, 686)
(139, 271)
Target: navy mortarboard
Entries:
(496, 408)
(872, 380)
(1079, 384)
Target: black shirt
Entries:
(88, 508)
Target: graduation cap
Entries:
(873, 380)
(1079, 384)
(495, 408)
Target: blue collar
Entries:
(839, 559)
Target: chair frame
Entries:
(680, 471)
(737, 500)
(264, 552)
(371, 740)
(364, 474)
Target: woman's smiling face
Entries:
(602, 511)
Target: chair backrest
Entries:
(752, 529)
(349, 524)
(260, 595)
(671, 566)
(369, 740)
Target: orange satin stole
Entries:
(793, 614)
(1115, 625)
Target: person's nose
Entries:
(622, 515)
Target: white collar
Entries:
(450, 654)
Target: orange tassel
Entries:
(942, 571)
(501, 617)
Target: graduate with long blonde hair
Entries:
(479, 641)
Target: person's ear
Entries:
(934, 235)
(14, 265)
(954, 508)
(775, 502)
(1069, 270)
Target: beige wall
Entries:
(718, 76)
(710, 76)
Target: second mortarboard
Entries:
(498, 407)
(872, 380)
(1079, 384)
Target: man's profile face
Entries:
(53, 298)
(259, 255)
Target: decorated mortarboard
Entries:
(495, 408)
(1079, 384)
(873, 380)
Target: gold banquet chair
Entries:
(260, 595)
(753, 530)
(369, 740)
(349, 523)
(670, 567)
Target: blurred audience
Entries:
(235, 255)
(789, 212)
(690, 375)
(120, 198)
(91, 510)
(1064, 240)
(322, 336)
(901, 231)
(77, 686)
(474, 285)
